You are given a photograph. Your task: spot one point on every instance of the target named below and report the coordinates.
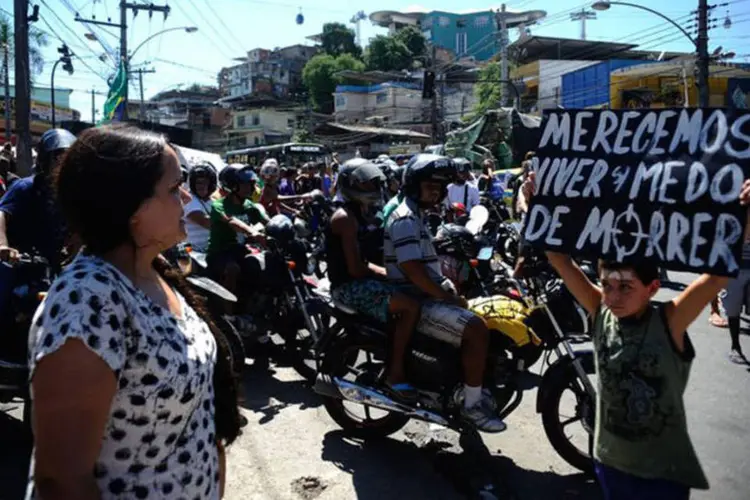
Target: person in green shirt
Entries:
(232, 218)
(643, 356)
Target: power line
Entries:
(210, 39)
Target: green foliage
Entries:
(398, 52)
(319, 76)
(387, 53)
(337, 39)
(487, 90)
(37, 40)
(414, 40)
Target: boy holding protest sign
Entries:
(643, 357)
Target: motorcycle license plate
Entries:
(485, 253)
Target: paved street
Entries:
(292, 450)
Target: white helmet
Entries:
(269, 169)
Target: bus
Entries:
(292, 153)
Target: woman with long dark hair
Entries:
(133, 393)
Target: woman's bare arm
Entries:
(73, 391)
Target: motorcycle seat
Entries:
(343, 307)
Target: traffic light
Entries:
(428, 87)
(65, 58)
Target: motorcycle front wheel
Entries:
(234, 342)
(361, 361)
(556, 428)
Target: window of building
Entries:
(290, 122)
(256, 120)
(460, 23)
(381, 98)
(241, 121)
(427, 23)
(481, 21)
(461, 45)
(340, 101)
(256, 140)
(444, 21)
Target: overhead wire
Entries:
(202, 32)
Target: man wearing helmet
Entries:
(202, 182)
(462, 191)
(231, 220)
(361, 284)
(29, 219)
(411, 262)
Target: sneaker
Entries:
(735, 356)
(483, 417)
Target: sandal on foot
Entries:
(737, 357)
(718, 321)
(402, 392)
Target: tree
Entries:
(414, 40)
(337, 39)
(319, 76)
(387, 53)
(37, 40)
(488, 89)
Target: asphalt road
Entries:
(292, 450)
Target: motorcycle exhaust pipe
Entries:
(334, 387)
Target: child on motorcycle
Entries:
(361, 284)
(643, 357)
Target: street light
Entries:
(604, 5)
(186, 29)
(700, 44)
(67, 66)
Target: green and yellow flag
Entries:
(114, 106)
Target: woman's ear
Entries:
(653, 288)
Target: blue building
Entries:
(466, 34)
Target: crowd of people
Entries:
(132, 386)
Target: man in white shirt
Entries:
(462, 191)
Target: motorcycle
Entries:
(353, 359)
(280, 299)
(193, 266)
(31, 277)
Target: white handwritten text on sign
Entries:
(657, 185)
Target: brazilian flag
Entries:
(114, 106)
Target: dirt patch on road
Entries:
(308, 487)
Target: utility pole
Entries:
(583, 16)
(703, 57)
(93, 106)
(6, 84)
(123, 25)
(23, 98)
(433, 103)
(503, 28)
(142, 108)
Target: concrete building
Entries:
(276, 73)
(260, 126)
(468, 34)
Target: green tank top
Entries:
(640, 412)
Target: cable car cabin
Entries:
(290, 154)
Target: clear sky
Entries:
(229, 28)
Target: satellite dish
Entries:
(300, 19)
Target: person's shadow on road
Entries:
(14, 459)
(400, 469)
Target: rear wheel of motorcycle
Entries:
(234, 342)
(300, 345)
(336, 363)
(585, 408)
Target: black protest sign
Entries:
(648, 185)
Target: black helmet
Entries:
(206, 171)
(235, 174)
(427, 167)
(55, 139)
(281, 229)
(359, 171)
(463, 166)
(455, 241)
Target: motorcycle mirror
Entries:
(477, 219)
